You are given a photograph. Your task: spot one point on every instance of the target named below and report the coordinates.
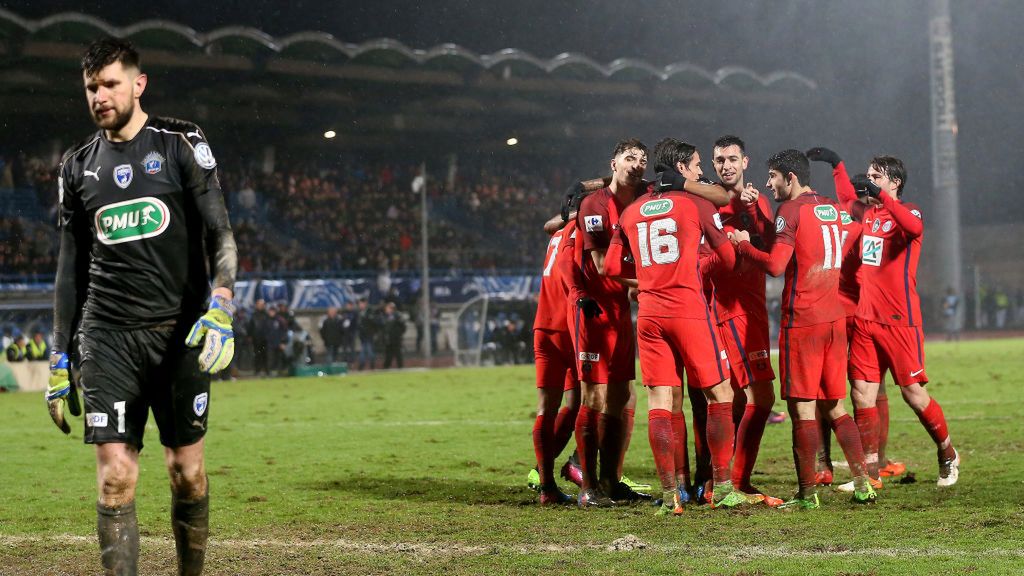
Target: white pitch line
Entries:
(627, 543)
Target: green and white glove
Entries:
(61, 391)
(213, 331)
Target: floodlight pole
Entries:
(425, 268)
(944, 131)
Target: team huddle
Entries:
(694, 254)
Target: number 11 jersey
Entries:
(814, 226)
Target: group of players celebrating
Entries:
(694, 253)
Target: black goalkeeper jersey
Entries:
(144, 222)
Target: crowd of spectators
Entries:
(345, 217)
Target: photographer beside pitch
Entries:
(143, 227)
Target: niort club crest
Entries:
(199, 404)
(123, 175)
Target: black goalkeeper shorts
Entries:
(124, 373)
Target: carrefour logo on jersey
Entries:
(655, 207)
(826, 213)
(131, 220)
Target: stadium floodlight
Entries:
(512, 141)
(330, 134)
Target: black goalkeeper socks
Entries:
(118, 530)
(190, 520)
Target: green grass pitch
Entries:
(423, 472)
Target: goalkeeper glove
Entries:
(61, 391)
(574, 196)
(213, 331)
(820, 154)
(589, 307)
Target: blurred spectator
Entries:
(277, 341)
(1002, 307)
(394, 326)
(259, 331)
(16, 351)
(950, 309)
(349, 328)
(332, 329)
(368, 330)
(37, 349)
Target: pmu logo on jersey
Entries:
(132, 220)
(153, 163)
(199, 403)
(123, 175)
(826, 213)
(871, 250)
(655, 207)
(845, 218)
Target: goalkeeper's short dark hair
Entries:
(106, 51)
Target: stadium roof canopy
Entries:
(379, 93)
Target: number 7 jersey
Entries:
(816, 229)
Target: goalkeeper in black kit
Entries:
(144, 233)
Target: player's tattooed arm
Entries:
(220, 239)
(573, 196)
(714, 193)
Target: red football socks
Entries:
(882, 403)
(682, 456)
(628, 415)
(848, 436)
(565, 423)
(543, 442)
(805, 449)
(935, 423)
(659, 432)
(867, 422)
(721, 434)
(586, 445)
(748, 443)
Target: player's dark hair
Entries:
(730, 140)
(627, 144)
(665, 154)
(893, 168)
(106, 51)
(792, 161)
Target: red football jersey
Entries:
(741, 290)
(849, 275)
(598, 214)
(812, 224)
(663, 233)
(890, 247)
(551, 302)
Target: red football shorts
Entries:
(812, 361)
(670, 345)
(747, 345)
(877, 347)
(605, 346)
(554, 359)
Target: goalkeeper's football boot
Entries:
(892, 469)
(949, 470)
(810, 502)
(593, 498)
(533, 480)
(671, 504)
